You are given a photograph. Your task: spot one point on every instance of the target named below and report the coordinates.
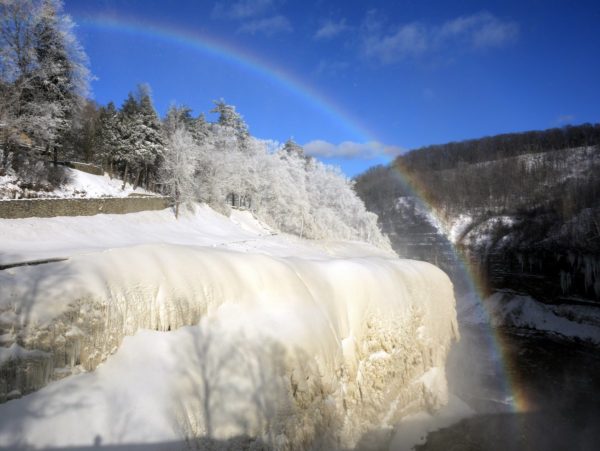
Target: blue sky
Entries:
(363, 80)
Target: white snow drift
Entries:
(229, 331)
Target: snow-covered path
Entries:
(61, 237)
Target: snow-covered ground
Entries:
(80, 184)
(209, 326)
(60, 237)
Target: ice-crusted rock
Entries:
(296, 352)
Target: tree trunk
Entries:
(125, 177)
(137, 179)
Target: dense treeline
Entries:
(477, 178)
(45, 117)
(566, 180)
(450, 155)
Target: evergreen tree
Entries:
(128, 136)
(291, 148)
(43, 77)
(178, 116)
(81, 141)
(17, 66)
(231, 125)
(54, 83)
(200, 129)
(107, 137)
(140, 132)
(152, 143)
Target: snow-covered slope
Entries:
(83, 184)
(80, 184)
(217, 328)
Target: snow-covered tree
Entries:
(80, 143)
(178, 116)
(141, 141)
(178, 167)
(200, 129)
(17, 65)
(52, 83)
(291, 148)
(44, 77)
(288, 201)
(107, 137)
(128, 136)
(233, 127)
(229, 117)
(284, 188)
(151, 145)
(337, 210)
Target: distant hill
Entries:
(490, 148)
(524, 206)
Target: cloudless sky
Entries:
(389, 75)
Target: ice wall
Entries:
(297, 352)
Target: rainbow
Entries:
(244, 60)
(517, 399)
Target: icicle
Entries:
(590, 272)
(572, 258)
(565, 281)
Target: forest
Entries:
(555, 172)
(47, 118)
(490, 148)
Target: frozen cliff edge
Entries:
(293, 351)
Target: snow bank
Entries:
(41, 238)
(233, 332)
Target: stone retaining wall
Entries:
(47, 208)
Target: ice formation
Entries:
(294, 346)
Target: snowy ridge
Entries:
(321, 340)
